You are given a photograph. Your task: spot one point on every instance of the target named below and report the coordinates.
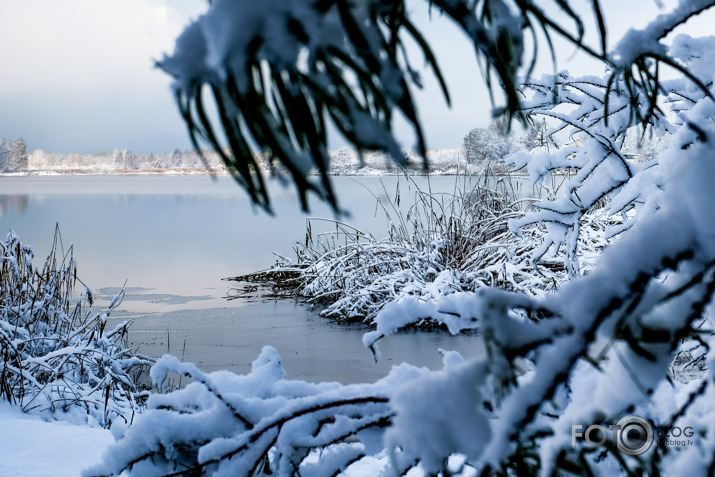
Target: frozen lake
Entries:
(173, 238)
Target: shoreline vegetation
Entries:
(437, 244)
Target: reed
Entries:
(57, 354)
(442, 243)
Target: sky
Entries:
(78, 75)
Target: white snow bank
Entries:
(32, 447)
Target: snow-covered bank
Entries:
(31, 447)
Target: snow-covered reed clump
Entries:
(57, 354)
(443, 243)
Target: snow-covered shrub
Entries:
(443, 243)
(55, 353)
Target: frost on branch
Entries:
(599, 113)
(597, 169)
(598, 349)
(603, 345)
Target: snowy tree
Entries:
(153, 162)
(536, 135)
(191, 160)
(72, 160)
(4, 155)
(118, 159)
(18, 156)
(491, 144)
(13, 156)
(599, 349)
(177, 158)
(132, 161)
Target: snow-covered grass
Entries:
(57, 355)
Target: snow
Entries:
(647, 41)
(600, 346)
(187, 64)
(319, 428)
(425, 429)
(31, 447)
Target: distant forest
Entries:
(14, 158)
(124, 161)
(483, 149)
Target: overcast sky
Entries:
(78, 75)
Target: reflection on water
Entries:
(14, 203)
